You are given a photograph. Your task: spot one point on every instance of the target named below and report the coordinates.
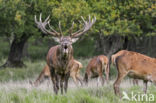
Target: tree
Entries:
(119, 21)
(17, 19)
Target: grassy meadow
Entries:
(15, 88)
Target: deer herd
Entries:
(61, 64)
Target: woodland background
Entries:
(121, 24)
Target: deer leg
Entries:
(48, 83)
(100, 78)
(54, 84)
(53, 78)
(57, 82)
(79, 78)
(145, 86)
(74, 78)
(107, 73)
(61, 84)
(135, 81)
(117, 83)
(66, 81)
(86, 79)
(39, 80)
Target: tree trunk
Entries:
(16, 52)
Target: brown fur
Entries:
(95, 68)
(135, 65)
(74, 73)
(60, 65)
(113, 60)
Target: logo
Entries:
(138, 97)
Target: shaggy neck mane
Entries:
(64, 59)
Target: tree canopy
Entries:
(132, 17)
(114, 17)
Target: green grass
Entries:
(14, 88)
(79, 95)
(30, 71)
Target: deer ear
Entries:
(56, 39)
(74, 40)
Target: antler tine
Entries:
(42, 25)
(60, 28)
(89, 18)
(35, 19)
(47, 19)
(58, 34)
(71, 28)
(40, 17)
(86, 27)
(78, 30)
(39, 25)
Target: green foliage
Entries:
(130, 17)
(84, 48)
(18, 16)
(3, 48)
(113, 17)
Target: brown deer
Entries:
(113, 58)
(60, 57)
(74, 73)
(45, 74)
(135, 65)
(96, 67)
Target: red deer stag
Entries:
(60, 57)
(135, 65)
(95, 68)
(74, 73)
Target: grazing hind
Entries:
(74, 73)
(96, 67)
(134, 65)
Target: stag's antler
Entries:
(86, 27)
(42, 26)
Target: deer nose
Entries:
(65, 47)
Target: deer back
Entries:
(136, 65)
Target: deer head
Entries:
(64, 41)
